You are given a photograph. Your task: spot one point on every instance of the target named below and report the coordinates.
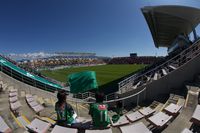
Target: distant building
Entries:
(133, 54)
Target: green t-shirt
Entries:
(99, 113)
(66, 115)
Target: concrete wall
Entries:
(164, 85)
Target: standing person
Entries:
(64, 110)
(99, 112)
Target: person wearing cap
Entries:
(64, 110)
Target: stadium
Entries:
(155, 94)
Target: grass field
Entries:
(104, 73)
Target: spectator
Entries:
(64, 110)
(99, 112)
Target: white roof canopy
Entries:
(167, 22)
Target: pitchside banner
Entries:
(82, 82)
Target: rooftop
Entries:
(168, 21)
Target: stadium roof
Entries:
(166, 22)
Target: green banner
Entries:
(82, 82)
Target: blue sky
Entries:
(106, 27)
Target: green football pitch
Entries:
(104, 73)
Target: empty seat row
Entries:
(13, 100)
(158, 120)
(41, 126)
(34, 104)
(154, 75)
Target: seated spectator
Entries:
(64, 110)
(99, 112)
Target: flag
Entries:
(82, 82)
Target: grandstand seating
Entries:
(157, 114)
(163, 69)
(127, 122)
(59, 62)
(173, 116)
(26, 77)
(135, 60)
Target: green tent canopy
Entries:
(82, 82)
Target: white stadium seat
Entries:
(135, 128)
(59, 129)
(122, 121)
(99, 131)
(12, 94)
(38, 126)
(160, 119)
(33, 103)
(16, 105)
(164, 72)
(173, 109)
(13, 99)
(135, 116)
(155, 77)
(174, 68)
(146, 111)
(38, 108)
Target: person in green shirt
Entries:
(64, 110)
(99, 112)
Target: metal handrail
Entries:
(110, 101)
